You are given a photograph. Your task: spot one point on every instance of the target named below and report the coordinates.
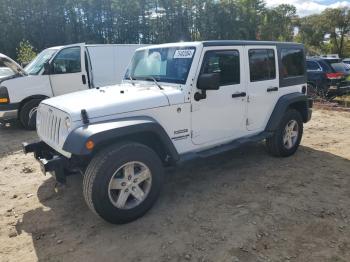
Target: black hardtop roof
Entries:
(248, 42)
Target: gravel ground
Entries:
(239, 206)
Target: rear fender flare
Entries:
(297, 101)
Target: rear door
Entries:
(263, 85)
(220, 116)
(68, 70)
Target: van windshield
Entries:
(170, 64)
(34, 67)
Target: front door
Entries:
(68, 71)
(220, 116)
(263, 85)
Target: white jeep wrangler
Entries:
(178, 101)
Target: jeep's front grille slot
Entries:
(58, 132)
(50, 124)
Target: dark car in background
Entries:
(327, 77)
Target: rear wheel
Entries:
(27, 114)
(123, 182)
(287, 137)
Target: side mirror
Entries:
(209, 81)
(47, 68)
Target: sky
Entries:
(305, 8)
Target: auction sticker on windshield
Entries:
(184, 53)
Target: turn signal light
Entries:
(4, 100)
(89, 145)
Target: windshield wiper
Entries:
(155, 81)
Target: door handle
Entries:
(83, 78)
(272, 89)
(242, 94)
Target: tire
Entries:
(101, 179)
(27, 114)
(278, 145)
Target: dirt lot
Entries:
(240, 206)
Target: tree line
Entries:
(45, 23)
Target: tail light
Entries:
(334, 75)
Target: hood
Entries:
(9, 68)
(4, 78)
(115, 99)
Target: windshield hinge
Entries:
(84, 117)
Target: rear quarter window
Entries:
(292, 62)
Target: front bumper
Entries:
(50, 161)
(8, 115)
(8, 112)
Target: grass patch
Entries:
(343, 100)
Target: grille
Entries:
(49, 124)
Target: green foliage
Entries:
(278, 23)
(347, 48)
(25, 52)
(332, 22)
(46, 23)
(338, 27)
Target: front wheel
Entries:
(287, 137)
(123, 181)
(27, 114)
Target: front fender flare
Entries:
(103, 132)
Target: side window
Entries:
(292, 62)
(262, 64)
(312, 66)
(67, 61)
(226, 63)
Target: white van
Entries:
(57, 71)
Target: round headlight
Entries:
(67, 122)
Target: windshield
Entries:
(340, 67)
(171, 64)
(34, 67)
